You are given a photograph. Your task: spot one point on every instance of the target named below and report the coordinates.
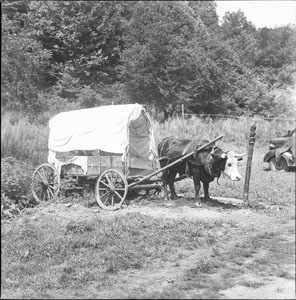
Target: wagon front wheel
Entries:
(45, 183)
(111, 189)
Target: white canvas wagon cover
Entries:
(111, 128)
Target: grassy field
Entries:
(65, 250)
(50, 255)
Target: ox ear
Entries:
(239, 156)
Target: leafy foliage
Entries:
(76, 54)
(23, 61)
(15, 187)
(84, 37)
(166, 59)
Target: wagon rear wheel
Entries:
(45, 183)
(111, 189)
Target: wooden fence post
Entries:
(249, 161)
(183, 121)
(248, 128)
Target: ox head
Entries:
(228, 162)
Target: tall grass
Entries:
(234, 131)
(22, 139)
(27, 141)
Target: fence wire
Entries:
(238, 117)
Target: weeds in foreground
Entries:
(83, 253)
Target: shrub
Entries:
(15, 186)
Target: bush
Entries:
(15, 186)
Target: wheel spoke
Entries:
(40, 189)
(118, 183)
(108, 179)
(43, 173)
(107, 199)
(120, 197)
(43, 195)
(53, 185)
(40, 175)
(104, 183)
(49, 189)
(37, 184)
(108, 192)
(38, 181)
(39, 192)
(53, 177)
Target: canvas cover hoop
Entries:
(122, 129)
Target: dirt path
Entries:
(236, 223)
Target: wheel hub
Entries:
(45, 183)
(112, 188)
(279, 165)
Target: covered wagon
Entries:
(111, 146)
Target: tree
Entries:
(241, 36)
(167, 59)
(84, 37)
(277, 47)
(23, 62)
(206, 11)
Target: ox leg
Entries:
(206, 191)
(197, 189)
(165, 185)
(171, 179)
(165, 175)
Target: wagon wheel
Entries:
(111, 189)
(279, 165)
(45, 183)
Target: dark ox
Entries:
(204, 166)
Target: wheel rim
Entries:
(280, 164)
(111, 189)
(45, 183)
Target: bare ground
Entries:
(238, 225)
